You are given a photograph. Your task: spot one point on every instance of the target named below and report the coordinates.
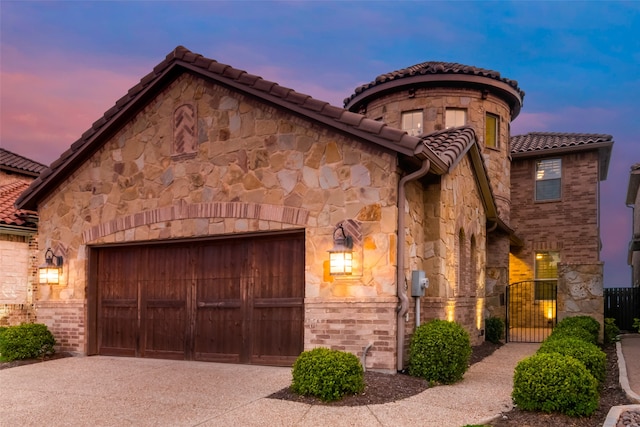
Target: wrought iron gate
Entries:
(531, 310)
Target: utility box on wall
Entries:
(419, 283)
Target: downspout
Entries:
(403, 306)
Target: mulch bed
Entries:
(14, 363)
(384, 388)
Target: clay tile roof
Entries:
(536, 141)
(181, 60)
(16, 163)
(9, 215)
(435, 67)
(450, 144)
(548, 143)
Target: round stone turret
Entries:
(433, 96)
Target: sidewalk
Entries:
(111, 391)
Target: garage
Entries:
(236, 300)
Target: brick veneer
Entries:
(65, 320)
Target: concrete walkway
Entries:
(629, 365)
(109, 391)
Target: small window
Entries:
(412, 122)
(546, 275)
(491, 130)
(455, 117)
(548, 179)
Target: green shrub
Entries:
(611, 331)
(495, 329)
(572, 332)
(636, 324)
(439, 352)
(551, 382)
(26, 341)
(327, 374)
(594, 359)
(587, 323)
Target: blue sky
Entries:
(62, 64)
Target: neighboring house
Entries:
(202, 217)
(633, 201)
(18, 244)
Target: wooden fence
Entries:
(622, 304)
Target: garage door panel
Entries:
(277, 332)
(119, 332)
(219, 331)
(165, 331)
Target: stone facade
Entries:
(254, 169)
(445, 216)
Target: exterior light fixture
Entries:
(341, 255)
(49, 272)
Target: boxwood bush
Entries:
(26, 341)
(439, 352)
(587, 323)
(551, 382)
(327, 374)
(495, 329)
(594, 359)
(572, 332)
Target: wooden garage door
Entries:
(234, 300)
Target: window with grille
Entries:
(546, 275)
(412, 122)
(454, 117)
(548, 179)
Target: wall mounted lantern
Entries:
(50, 271)
(341, 255)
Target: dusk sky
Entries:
(63, 64)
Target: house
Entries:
(213, 215)
(555, 192)
(633, 201)
(18, 243)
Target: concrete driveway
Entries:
(111, 391)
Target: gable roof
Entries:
(435, 72)
(10, 217)
(449, 145)
(538, 144)
(16, 163)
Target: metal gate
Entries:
(531, 310)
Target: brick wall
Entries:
(570, 225)
(18, 273)
(353, 325)
(65, 320)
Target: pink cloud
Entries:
(47, 104)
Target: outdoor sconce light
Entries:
(341, 255)
(49, 272)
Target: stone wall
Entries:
(580, 291)
(252, 168)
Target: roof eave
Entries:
(634, 185)
(502, 89)
(604, 151)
